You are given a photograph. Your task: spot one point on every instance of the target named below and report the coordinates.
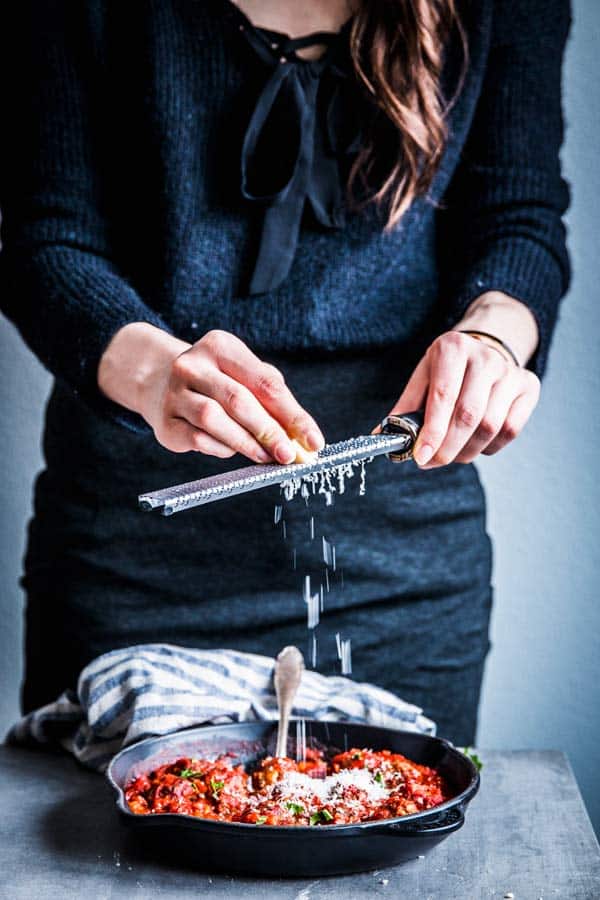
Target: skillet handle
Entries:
(447, 822)
(407, 423)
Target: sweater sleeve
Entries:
(501, 226)
(59, 281)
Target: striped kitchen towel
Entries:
(153, 689)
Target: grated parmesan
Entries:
(300, 788)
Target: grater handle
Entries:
(407, 423)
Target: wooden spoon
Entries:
(289, 666)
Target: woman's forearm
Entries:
(505, 318)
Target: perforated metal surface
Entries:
(251, 478)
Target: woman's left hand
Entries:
(475, 400)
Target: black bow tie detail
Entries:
(304, 120)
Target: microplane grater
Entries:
(396, 439)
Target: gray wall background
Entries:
(542, 686)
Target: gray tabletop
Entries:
(527, 834)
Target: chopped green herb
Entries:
(323, 815)
(356, 756)
(261, 820)
(473, 757)
(296, 808)
(379, 778)
(215, 787)
(190, 773)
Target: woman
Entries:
(201, 200)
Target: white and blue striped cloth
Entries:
(154, 689)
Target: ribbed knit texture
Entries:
(121, 195)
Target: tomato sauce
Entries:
(358, 785)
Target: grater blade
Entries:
(250, 478)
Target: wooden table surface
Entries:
(526, 834)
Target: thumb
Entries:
(413, 396)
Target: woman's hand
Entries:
(476, 400)
(214, 396)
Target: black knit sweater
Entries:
(121, 200)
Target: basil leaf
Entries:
(296, 808)
(470, 754)
(190, 773)
(261, 820)
(322, 815)
(215, 787)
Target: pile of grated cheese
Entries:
(297, 787)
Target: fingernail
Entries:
(284, 453)
(314, 440)
(423, 454)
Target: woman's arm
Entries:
(501, 228)
(502, 245)
(61, 286)
(59, 282)
(506, 318)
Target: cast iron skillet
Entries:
(294, 851)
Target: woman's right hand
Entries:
(215, 396)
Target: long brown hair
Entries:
(398, 51)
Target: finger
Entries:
(207, 415)
(206, 443)
(468, 412)
(413, 396)
(180, 436)
(195, 373)
(447, 366)
(268, 385)
(500, 401)
(242, 407)
(517, 418)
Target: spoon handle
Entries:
(289, 666)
